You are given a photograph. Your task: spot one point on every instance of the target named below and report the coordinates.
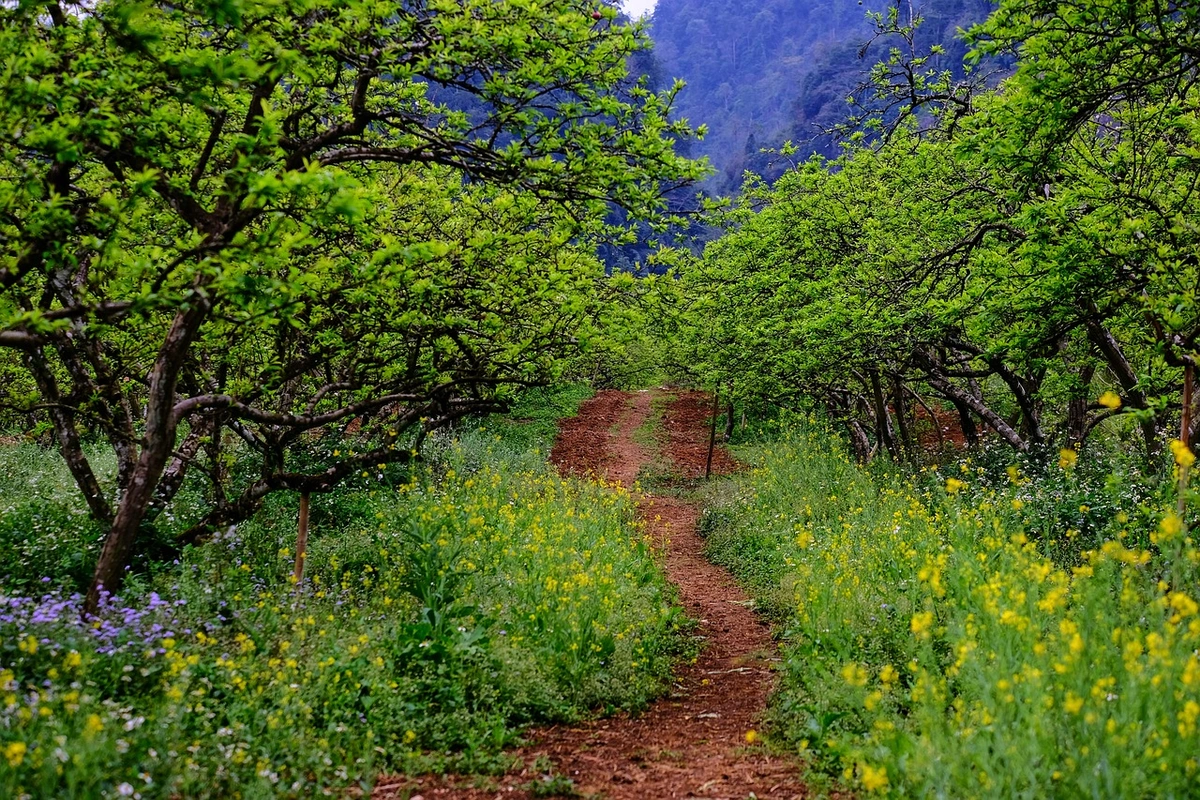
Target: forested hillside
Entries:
(765, 71)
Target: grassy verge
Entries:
(976, 632)
(437, 618)
(531, 424)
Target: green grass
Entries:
(45, 530)
(961, 633)
(440, 616)
(532, 423)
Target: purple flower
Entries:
(56, 619)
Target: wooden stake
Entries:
(301, 539)
(1185, 419)
(712, 437)
(1185, 431)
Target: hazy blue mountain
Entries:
(760, 72)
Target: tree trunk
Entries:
(859, 442)
(202, 430)
(1077, 407)
(1114, 357)
(968, 402)
(902, 417)
(933, 419)
(966, 421)
(712, 437)
(883, 423)
(158, 444)
(1023, 391)
(63, 420)
(977, 406)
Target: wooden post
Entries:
(301, 539)
(1185, 432)
(1185, 419)
(712, 436)
(902, 418)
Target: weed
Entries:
(941, 641)
(552, 786)
(442, 610)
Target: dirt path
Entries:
(693, 742)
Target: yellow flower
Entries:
(751, 736)
(15, 753)
(888, 675)
(874, 778)
(1110, 400)
(410, 736)
(1184, 457)
(1168, 529)
(93, 725)
(28, 645)
(954, 485)
(854, 674)
(72, 659)
(922, 621)
(1188, 717)
(1183, 605)
(1067, 458)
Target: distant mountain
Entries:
(760, 72)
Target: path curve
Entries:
(693, 742)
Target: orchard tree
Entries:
(259, 219)
(1028, 255)
(1098, 129)
(850, 284)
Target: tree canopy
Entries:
(1026, 257)
(250, 221)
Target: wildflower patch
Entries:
(434, 622)
(949, 637)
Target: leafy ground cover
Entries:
(440, 612)
(985, 630)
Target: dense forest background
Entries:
(761, 72)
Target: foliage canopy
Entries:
(251, 221)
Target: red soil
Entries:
(927, 430)
(599, 441)
(688, 432)
(692, 743)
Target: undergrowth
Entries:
(973, 631)
(439, 614)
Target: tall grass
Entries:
(949, 634)
(45, 531)
(439, 615)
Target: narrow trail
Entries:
(691, 743)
